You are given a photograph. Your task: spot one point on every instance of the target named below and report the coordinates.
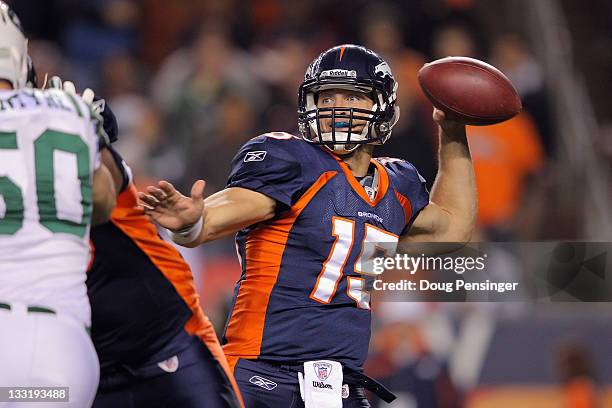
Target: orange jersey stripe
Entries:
(130, 219)
(232, 361)
(405, 204)
(264, 251)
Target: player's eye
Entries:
(327, 100)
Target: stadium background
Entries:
(191, 80)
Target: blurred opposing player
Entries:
(51, 187)
(156, 347)
(308, 211)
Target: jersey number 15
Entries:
(376, 242)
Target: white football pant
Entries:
(47, 350)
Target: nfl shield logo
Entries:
(322, 370)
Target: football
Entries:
(469, 91)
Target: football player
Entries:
(155, 345)
(52, 188)
(307, 210)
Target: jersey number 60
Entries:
(11, 194)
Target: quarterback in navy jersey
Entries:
(304, 209)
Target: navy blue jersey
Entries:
(140, 288)
(301, 295)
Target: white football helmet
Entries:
(13, 48)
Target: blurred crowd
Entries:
(191, 80)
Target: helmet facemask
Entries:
(358, 126)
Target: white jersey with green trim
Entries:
(49, 150)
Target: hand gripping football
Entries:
(469, 91)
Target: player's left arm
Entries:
(104, 195)
(232, 209)
(223, 213)
(451, 214)
(113, 168)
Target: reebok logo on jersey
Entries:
(262, 382)
(255, 156)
